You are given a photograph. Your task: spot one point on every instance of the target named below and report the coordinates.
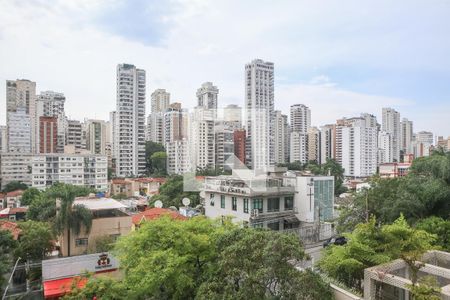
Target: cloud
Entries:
(340, 59)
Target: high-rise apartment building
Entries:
(356, 147)
(224, 143)
(3, 141)
(51, 104)
(207, 96)
(422, 143)
(48, 134)
(406, 136)
(202, 138)
(175, 123)
(385, 147)
(160, 101)
(21, 94)
(300, 123)
(73, 136)
(19, 131)
(178, 161)
(314, 145)
(391, 125)
(259, 114)
(233, 113)
(96, 135)
(327, 142)
(130, 155)
(15, 167)
(239, 137)
(281, 138)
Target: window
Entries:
(81, 242)
(233, 203)
(258, 204)
(246, 205)
(211, 199)
(222, 201)
(257, 225)
(273, 204)
(274, 225)
(288, 203)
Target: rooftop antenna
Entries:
(158, 204)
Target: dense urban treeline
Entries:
(395, 218)
(203, 259)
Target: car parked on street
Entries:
(339, 240)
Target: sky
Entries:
(340, 58)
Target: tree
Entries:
(102, 286)
(158, 162)
(172, 192)
(438, 227)
(259, 264)
(369, 245)
(150, 149)
(102, 243)
(69, 217)
(168, 259)
(13, 186)
(427, 289)
(35, 240)
(7, 246)
(29, 195)
(42, 209)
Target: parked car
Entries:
(339, 240)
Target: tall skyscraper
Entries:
(281, 138)
(51, 104)
(202, 138)
(259, 113)
(207, 96)
(48, 134)
(96, 132)
(406, 136)
(160, 100)
(327, 142)
(391, 125)
(314, 144)
(21, 94)
(19, 131)
(73, 136)
(300, 123)
(131, 83)
(385, 148)
(356, 147)
(3, 142)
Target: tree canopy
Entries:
(7, 246)
(154, 164)
(13, 186)
(35, 240)
(172, 192)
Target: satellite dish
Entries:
(186, 201)
(158, 204)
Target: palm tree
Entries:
(69, 217)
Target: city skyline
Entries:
(339, 76)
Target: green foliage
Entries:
(370, 245)
(259, 264)
(294, 166)
(436, 166)
(106, 287)
(427, 289)
(154, 165)
(168, 259)
(102, 243)
(13, 186)
(438, 227)
(35, 240)
(211, 172)
(42, 209)
(29, 195)
(159, 161)
(332, 168)
(7, 246)
(172, 192)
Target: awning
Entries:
(291, 219)
(60, 287)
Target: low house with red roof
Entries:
(60, 274)
(14, 213)
(12, 227)
(153, 214)
(13, 198)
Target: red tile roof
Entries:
(150, 179)
(155, 213)
(120, 181)
(14, 193)
(11, 227)
(60, 287)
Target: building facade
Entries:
(407, 132)
(207, 96)
(130, 153)
(15, 167)
(19, 131)
(87, 170)
(281, 131)
(259, 114)
(51, 104)
(391, 125)
(96, 136)
(48, 134)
